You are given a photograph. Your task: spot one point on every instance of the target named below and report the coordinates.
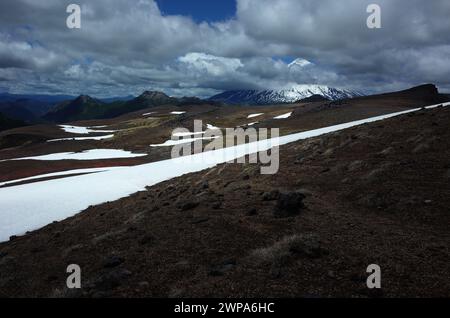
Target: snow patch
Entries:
(254, 115)
(284, 116)
(184, 134)
(82, 138)
(82, 130)
(212, 127)
(93, 154)
(171, 142)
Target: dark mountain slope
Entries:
(81, 108)
(9, 123)
(17, 110)
(145, 100)
(85, 107)
(427, 93)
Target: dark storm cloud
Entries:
(125, 47)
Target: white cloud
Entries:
(124, 47)
(212, 65)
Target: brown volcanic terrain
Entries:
(136, 132)
(374, 194)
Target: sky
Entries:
(199, 10)
(200, 47)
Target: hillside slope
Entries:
(371, 194)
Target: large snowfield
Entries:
(31, 206)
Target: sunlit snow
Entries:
(254, 115)
(59, 174)
(82, 130)
(183, 134)
(82, 138)
(171, 142)
(284, 116)
(212, 127)
(93, 154)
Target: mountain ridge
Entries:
(283, 96)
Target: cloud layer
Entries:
(125, 47)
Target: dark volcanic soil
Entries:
(375, 194)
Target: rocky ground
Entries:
(374, 194)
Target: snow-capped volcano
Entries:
(299, 62)
(289, 95)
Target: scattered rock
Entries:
(221, 269)
(305, 192)
(358, 278)
(305, 245)
(289, 204)
(308, 246)
(111, 280)
(373, 200)
(146, 239)
(113, 261)
(144, 284)
(72, 249)
(331, 274)
(205, 185)
(189, 205)
(325, 170)
(387, 151)
(217, 205)
(199, 220)
(374, 175)
(421, 148)
(271, 196)
(176, 293)
(329, 152)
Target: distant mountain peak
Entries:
(153, 95)
(85, 99)
(299, 62)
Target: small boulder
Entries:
(271, 196)
(113, 261)
(217, 205)
(289, 204)
(221, 269)
(189, 205)
(205, 185)
(111, 280)
(146, 239)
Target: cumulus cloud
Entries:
(125, 47)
